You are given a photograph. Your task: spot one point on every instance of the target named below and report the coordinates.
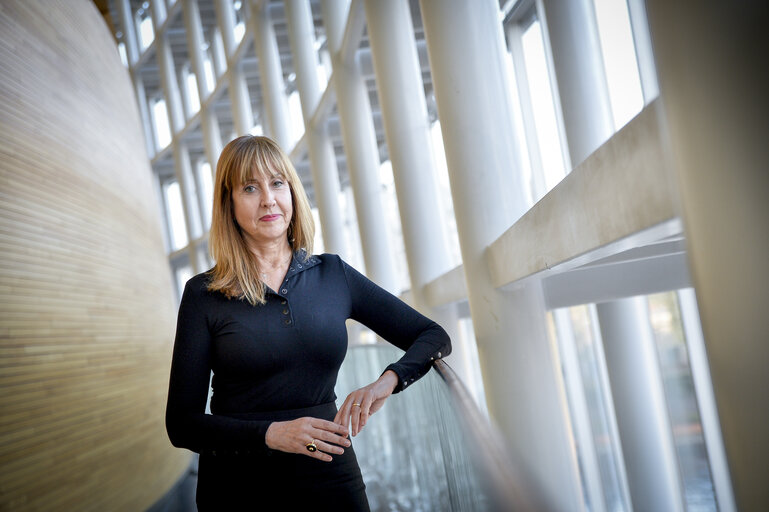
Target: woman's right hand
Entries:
(294, 436)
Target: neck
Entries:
(273, 254)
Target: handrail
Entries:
(504, 483)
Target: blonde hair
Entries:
(236, 273)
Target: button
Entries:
(299, 266)
(285, 311)
(439, 354)
(287, 321)
(286, 291)
(291, 269)
(283, 302)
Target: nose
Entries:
(268, 198)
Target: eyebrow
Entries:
(272, 177)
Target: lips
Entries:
(269, 218)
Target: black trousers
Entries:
(282, 481)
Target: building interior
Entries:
(575, 190)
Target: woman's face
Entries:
(263, 209)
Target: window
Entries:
(177, 227)
(543, 158)
(191, 83)
(123, 56)
(206, 187)
(619, 59)
(296, 117)
(682, 402)
(541, 97)
(160, 122)
(240, 20)
(447, 219)
(146, 32)
(393, 221)
(591, 407)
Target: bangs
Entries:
(259, 161)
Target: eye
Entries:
(278, 183)
(249, 189)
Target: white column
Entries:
(706, 401)
(643, 50)
(466, 51)
(271, 75)
(361, 149)
(218, 55)
(184, 94)
(212, 139)
(168, 82)
(582, 86)
(129, 31)
(242, 113)
(158, 10)
(575, 390)
(182, 172)
(639, 401)
(325, 175)
(141, 99)
(407, 130)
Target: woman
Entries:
(269, 321)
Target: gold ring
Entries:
(311, 446)
(356, 405)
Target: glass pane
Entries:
(540, 91)
(160, 118)
(413, 453)
(448, 220)
(182, 275)
(598, 405)
(192, 92)
(295, 115)
(123, 56)
(318, 246)
(393, 220)
(146, 32)
(206, 184)
(175, 212)
(619, 60)
(682, 402)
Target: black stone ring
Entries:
(311, 446)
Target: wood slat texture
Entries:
(86, 301)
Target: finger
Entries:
(343, 414)
(332, 438)
(329, 448)
(365, 408)
(355, 417)
(317, 451)
(329, 426)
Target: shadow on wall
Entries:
(86, 304)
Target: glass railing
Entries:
(429, 448)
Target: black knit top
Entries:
(282, 355)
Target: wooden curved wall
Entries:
(86, 307)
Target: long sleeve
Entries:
(187, 423)
(398, 323)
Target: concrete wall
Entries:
(86, 307)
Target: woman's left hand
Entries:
(363, 402)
